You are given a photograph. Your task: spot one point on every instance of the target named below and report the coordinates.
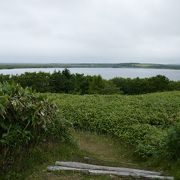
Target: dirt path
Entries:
(97, 149)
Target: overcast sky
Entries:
(90, 31)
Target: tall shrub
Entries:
(26, 118)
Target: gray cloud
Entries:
(90, 31)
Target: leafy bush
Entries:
(26, 118)
(172, 144)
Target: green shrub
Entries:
(26, 118)
(173, 142)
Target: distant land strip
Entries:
(89, 65)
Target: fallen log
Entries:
(106, 170)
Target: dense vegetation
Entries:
(65, 82)
(26, 119)
(150, 123)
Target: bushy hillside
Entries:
(144, 121)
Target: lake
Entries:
(106, 73)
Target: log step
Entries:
(106, 170)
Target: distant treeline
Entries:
(65, 82)
(89, 65)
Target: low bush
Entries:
(172, 142)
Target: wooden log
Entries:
(107, 168)
(107, 172)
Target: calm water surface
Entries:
(106, 73)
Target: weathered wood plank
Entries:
(108, 172)
(97, 167)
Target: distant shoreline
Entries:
(89, 65)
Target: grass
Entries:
(89, 148)
(100, 149)
(40, 157)
(107, 150)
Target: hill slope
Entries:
(143, 121)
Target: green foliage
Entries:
(142, 121)
(140, 86)
(96, 85)
(65, 82)
(172, 142)
(37, 158)
(61, 82)
(26, 118)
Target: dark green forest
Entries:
(65, 82)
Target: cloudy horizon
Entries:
(90, 31)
